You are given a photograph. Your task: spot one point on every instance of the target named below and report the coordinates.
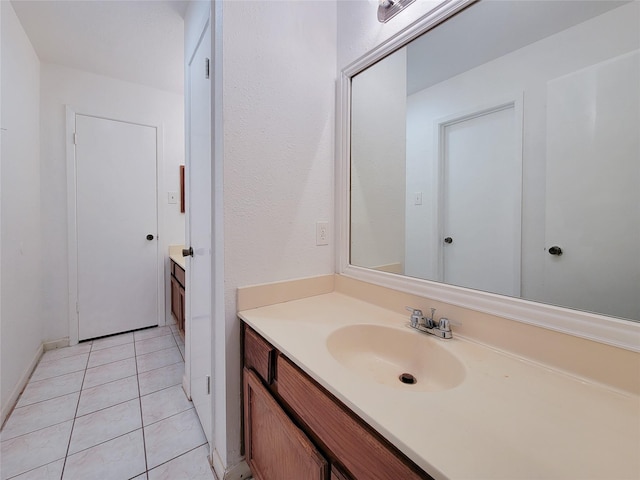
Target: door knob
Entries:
(149, 237)
(555, 250)
(448, 240)
(187, 252)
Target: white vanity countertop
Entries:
(175, 254)
(508, 419)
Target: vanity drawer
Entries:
(259, 355)
(362, 452)
(178, 272)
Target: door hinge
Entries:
(208, 384)
(75, 138)
(206, 68)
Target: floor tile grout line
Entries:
(64, 464)
(155, 351)
(54, 376)
(105, 441)
(158, 368)
(177, 456)
(108, 363)
(181, 362)
(162, 334)
(111, 346)
(170, 416)
(36, 430)
(17, 407)
(35, 468)
(151, 338)
(164, 388)
(144, 440)
(110, 381)
(104, 408)
(49, 360)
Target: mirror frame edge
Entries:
(605, 329)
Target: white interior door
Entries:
(593, 149)
(199, 232)
(481, 195)
(116, 226)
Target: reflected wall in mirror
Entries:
(500, 151)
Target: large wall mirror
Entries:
(499, 151)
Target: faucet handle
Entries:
(444, 325)
(416, 316)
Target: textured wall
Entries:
(21, 311)
(279, 96)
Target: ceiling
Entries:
(488, 30)
(135, 41)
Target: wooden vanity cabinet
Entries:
(337, 474)
(275, 447)
(177, 295)
(352, 448)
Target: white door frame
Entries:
(514, 101)
(72, 220)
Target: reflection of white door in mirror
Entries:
(592, 190)
(480, 200)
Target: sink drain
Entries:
(407, 378)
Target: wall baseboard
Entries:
(17, 390)
(185, 386)
(239, 471)
(53, 344)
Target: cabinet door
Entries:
(275, 448)
(181, 313)
(175, 299)
(337, 474)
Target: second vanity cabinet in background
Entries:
(295, 429)
(177, 295)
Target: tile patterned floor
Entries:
(111, 408)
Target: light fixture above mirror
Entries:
(387, 9)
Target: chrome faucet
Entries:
(428, 325)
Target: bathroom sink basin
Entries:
(397, 358)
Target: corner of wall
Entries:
(21, 280)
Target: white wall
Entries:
(378, 151)
(279, 95)
(527, 71)
(97, 95)
(21, 312)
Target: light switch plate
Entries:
(173, 198)
(322, 233)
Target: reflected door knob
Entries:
(150, 237)
(187, 252)
(555, 250)
(448, 240)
